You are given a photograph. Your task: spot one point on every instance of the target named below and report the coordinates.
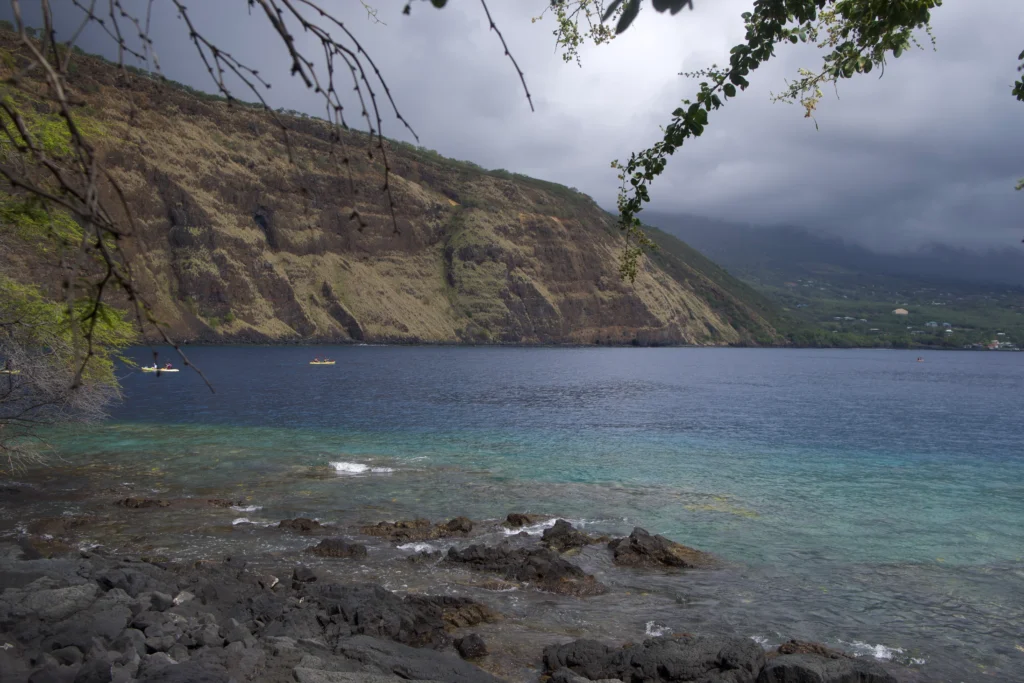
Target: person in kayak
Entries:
(168, 366)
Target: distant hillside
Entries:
(770, 253)
(844, 294)
(234, 243)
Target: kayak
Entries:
(10, 372)
(144, 369)
(322, 362)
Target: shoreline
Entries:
(516, 567)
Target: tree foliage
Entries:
(41, 383)
(855, 37)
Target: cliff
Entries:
(235, 242)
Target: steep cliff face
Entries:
(234, 242)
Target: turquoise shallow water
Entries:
(860, 497)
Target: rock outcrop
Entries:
(707, 659)
(641, 549)
(565, 538)
(541, 567)
(406, 531)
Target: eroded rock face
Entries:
(685, 659)
(563, 537)
(641, 549)
(813, 668)
(541, 567)
(406, 531)
(338, 548)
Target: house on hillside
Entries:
(901, 311)
(931, 323)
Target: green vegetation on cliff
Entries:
(234, 242)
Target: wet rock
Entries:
(516, 520)
(641, 549)
(183, 597)
(564, 537)
(338, 548)
(405, 531)
(411, 663)
(425, 557)
(56, 604)
(68, 655)
(543, 568)
(54, 673)
(131, 581)
(812, 668)
(159, 602)
(803, 647)
(567, 676)
(456, 612)
(459, 525)
(130, 640)
(300, 524)
(160, 643)
(471, 647)
(369, 609)
(151, 664)
(235, 632)
(187, 672)
(304, 574)
(679, 660)
(138, 503)
(56, 526)
(98, 670)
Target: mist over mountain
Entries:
(772, 253)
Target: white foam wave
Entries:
(246, 508)
(760, 640)
(358, 468)
(656, 630)
(538, 528)
(241, 520)
(418, 547)
(880, 652)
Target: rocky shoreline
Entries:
(82, 616)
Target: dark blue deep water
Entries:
(861, 498)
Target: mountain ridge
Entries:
(235, 243)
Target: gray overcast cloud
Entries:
(928, 153)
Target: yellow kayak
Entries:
(10, 372)
(145, 369)
(322, 362)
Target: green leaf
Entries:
(438, 3)
(608, 12)
(730, 90)
(629, 12)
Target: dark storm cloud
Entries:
(930, 152)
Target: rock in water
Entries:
(563, 537)
(471, 647)
(516, 520)
(686, 659)
(409, 530)
(336, 547)
(812, 668)
(542, 567)
(302, 524)
(804, 647)
(641, 549)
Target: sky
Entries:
(930, 152)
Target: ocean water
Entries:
(859, 498)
